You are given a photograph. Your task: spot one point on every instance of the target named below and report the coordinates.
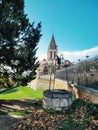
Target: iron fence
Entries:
(84, 73)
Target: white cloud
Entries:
(74, 55)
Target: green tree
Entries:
(18, 42)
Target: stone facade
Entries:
(57, 99)
(80, 92)
(52, 52)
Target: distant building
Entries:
(43, 68)
(52, 58)
(52, 52)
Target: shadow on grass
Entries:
(26, 105)
(8, 90)
(10, 108)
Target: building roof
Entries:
(52, 44)
(44, 62)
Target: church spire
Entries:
(52, 44)
(52, 51)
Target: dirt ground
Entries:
(6, 122)
(37, 115)
(6, 106)
(38, 119)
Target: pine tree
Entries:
(18, 41)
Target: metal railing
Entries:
(84, 73)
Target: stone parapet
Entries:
(82, 92)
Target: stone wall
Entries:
(81, 92)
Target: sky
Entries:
(74, 24)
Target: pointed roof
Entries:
(52, 44)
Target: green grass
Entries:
(19, 112)
(16, 112)
(21, 92)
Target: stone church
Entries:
(52, 52)
(52, 57)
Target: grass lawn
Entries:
(21, 92)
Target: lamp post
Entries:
(86, 62)
(73, 73)
(78, 71)
(87, 56)
(66, 65)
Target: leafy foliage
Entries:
(80, 117)
(5, 82)
(18, 42)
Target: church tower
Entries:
(52, 51)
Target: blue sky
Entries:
(73, 22)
